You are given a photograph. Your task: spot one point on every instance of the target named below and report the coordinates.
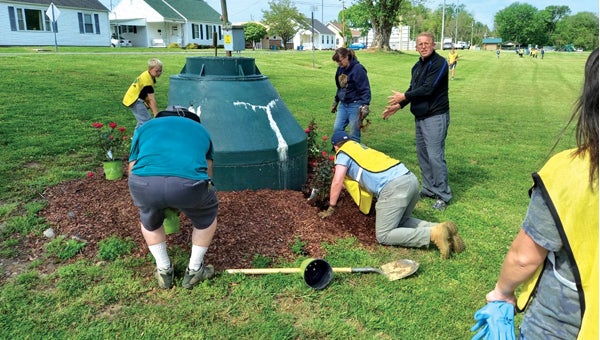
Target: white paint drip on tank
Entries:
(282, 147)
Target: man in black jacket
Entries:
(428, 96)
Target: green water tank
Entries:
(258, 143)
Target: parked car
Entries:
(447, 46)
(461, 45)
(358, 46)
(120, 42)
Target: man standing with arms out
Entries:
(140, 95)
(428, 98)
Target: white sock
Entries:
(159, 251)
(197, 257)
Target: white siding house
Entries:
(336, 27)
(316, 36)
(79, 23)
(399, 39)
(158, 23)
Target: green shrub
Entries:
(261, 261)
(113, 247)
(192, 46)
(63, 249)
(298, 246)
(174, 45)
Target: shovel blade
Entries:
(399, 269)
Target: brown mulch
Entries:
(259, 222)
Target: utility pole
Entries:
(443, 22)
(456, 29)
(312, 34)
(226, 24)
(471, 42)
(343, 24)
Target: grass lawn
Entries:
(505, 116)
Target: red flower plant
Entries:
(113, 142)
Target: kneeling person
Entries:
(368, 173)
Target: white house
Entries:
(317, 35)
(399, 39)
(336, 27)
(158, 23)
(78, 23)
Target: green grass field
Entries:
(505, 116)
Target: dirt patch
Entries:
(259, 222)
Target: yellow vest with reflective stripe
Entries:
(133, 92)
(367, 159)
(565, 186)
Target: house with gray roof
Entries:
(158, 23)
(77, 23)
(316, 36)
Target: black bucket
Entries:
(317, 273)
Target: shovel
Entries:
(318, 273)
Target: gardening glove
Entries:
(496, 320)
(327, 213)
(364, 111)
(334, 107)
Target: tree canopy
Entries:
(283, 19)
(254, 32)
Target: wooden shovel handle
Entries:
(297, 270)
(263, 270)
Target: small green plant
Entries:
(111, 248)
(63, 249)
(261, 261)
(320, 166)
(8, 248)
(298, 246)
(192, 46)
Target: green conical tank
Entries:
(258, 144)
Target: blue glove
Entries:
(496, 320)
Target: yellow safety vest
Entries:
(564, 183)
(367, 159)
(133, 92)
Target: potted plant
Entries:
(113, 145)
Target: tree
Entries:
(356, 17)
(580, 29)
(517, 23)
(284, 20)
(383, 15)
(254, 32)
(551, 15)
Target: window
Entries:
(24, 19)
(195, 31)
(88, 23)
(209, 31)
(127, 29)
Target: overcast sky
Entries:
(327, 10)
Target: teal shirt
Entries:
(171, 146)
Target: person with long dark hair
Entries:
(555, 254)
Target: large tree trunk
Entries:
(384, 16)
(381, 37)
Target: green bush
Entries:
(113, 247)
(192, 46)
(63, 249)
(174, 45)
